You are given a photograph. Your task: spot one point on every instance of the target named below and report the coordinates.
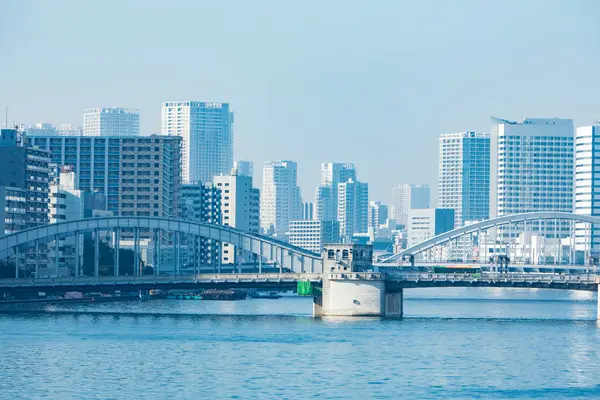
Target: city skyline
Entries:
(442, 71)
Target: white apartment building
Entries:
(353, 209)
(587, 186)
(464, 175)
(207, 132)
(66, 204)
(240, 209)
(111, 122)
(280, 200)
(312, 235)
(406, 197)
(531, 169)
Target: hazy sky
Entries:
(369, 82)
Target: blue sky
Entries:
(373, 83)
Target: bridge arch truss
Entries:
(449, 236)
(280, 253)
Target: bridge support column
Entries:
(117, 250)
(358, 295)
(96, 252)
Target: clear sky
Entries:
(369, 82)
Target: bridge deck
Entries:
(400, 280)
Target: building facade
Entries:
(312, 235)
(326, 195)
(378, 215)
(243, 167)
(280, 200)
(464, 175)
(353, 209)
(308, 211)
(13, 206)
(406, 197)
(587, 187)
(206, 130)
(240, 209)
(424, 224)
(531, 169)
(138, 175)
(113, 121)
(200, 203)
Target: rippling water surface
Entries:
(453, 343)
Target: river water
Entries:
(452, 344)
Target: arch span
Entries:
(490, 223)
(292, 257)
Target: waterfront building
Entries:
(66, 204)
(464, 175)
(326, 196)
(113, 121)
(243, 167)
(531, 169)
(312, 235)
(26, 167)
(426, 223)
(199, 203)
(406, 197)
(280, 200)
(587, 187)
(240, 209)
(13, 206)
(138, 175)
(206, 129)
(353, 209)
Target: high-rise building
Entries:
(378, 215)
(280, 200)
(312, 235)
(308, 211)
(114, 121)
(200, 203)
(531, 169)
(353, 209)
(407, 197)
(243, 167)
(326, 196)
(424, 224)
(240, 209)
(587, 187)
(207, 132)
(13, 206)
(138, 175)
(26, 167)
(464, 175)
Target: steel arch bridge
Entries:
(283, 254)
(489, 224)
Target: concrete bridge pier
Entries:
(358, 295)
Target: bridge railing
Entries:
(496, 276)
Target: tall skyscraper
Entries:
(280, 200)
(353, 208)
(464, 175)
(308, 211)
(531, 169)
(111, 122)
(243, 167)
(207, 132)
(587, 188)
(407, 197)
(326, 197)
